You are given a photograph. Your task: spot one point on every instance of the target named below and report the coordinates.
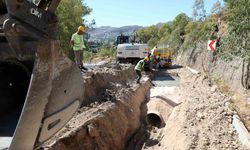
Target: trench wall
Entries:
(97, 81)
(107, 127)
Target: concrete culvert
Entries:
(159, 111)
(154, 120)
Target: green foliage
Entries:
(234, 43)
(70, 15)
(110, 52)
(153, 42)
(149, 35)
(164, 30)
(238, 18)
(164, 35)
(143, 36)
(180, 21)
(106, 49)
(175, 39)
(192, 32)
(88, 56)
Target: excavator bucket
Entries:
(40, 88)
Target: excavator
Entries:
(40, 88)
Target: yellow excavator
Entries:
(164, 55)
(40, 88)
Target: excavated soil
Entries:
(227, 74)
(201, 121)
(112, 114)
(116, 118)
(102, 77)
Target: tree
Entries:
(199, 12)
(238, 14)
(164, 33)
(144, 35)
(175, 39)
(180, 21)
(238, 18)
(165, 29)
(217, 8)
(70, 15)
(153, 42)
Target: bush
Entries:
(88, 56)
(70, 15)
(106, 52)
(238, 12)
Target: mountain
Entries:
(110, 33)
(105, 33)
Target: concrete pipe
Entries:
(159, 110)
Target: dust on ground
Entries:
(111, 118)
(201, 121)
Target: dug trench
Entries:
(161, 100)
(176, 110)
(110, 113)
(115, 110)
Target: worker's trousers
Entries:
(79, 57)
(138, 72)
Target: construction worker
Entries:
(158, 61)
(138, 69)
(77, 42)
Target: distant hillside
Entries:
(110, 33)
(107, 32)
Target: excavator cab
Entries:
(40, 88)
(121, 39)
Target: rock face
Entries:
(229, 71)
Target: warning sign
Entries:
(211, 45)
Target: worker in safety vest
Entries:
(138, 69)
(77, 42)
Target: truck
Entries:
(129, 51)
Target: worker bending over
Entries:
(138, 69)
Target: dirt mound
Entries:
(107, 125)
(202, 121)
(103, 77)
(227, 74)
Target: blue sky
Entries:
(118, 13)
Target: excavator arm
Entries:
(40, 88)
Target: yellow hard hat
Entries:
(81, 28)
(146, 58)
